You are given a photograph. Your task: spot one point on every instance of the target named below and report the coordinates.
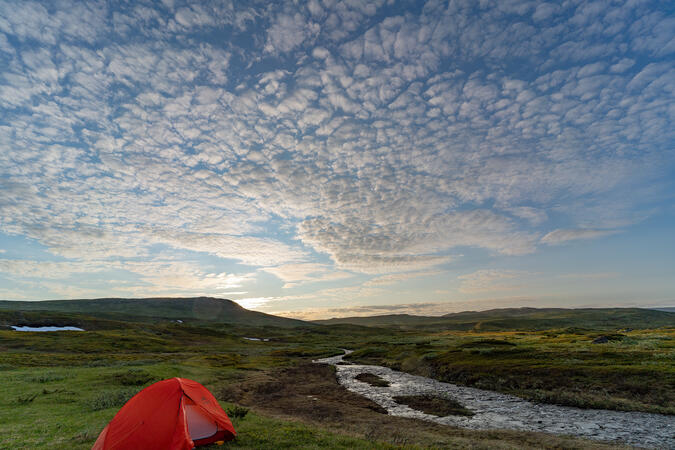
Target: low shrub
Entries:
(26, 398)
(133, 377)
(237, 412)
(111, 399)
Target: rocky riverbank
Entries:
(493, 410)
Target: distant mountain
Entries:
(521, 319)
(387, 320)
(665, 308)
(204, 309)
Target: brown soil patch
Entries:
(372, 379)
(310, 393)
(437, 406)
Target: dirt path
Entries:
(493, 410)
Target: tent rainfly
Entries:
(175, 414)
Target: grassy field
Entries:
(60, 389)
(67, 408)
(633, 371)
(529, 319)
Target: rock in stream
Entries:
(493, 410)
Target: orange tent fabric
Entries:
(176, 414)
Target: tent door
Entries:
(200, 424)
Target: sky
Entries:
(335, 158)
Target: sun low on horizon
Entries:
(339, 158)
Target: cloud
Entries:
(246, 249)
(294, 275)
(490, 280)
(47, 269)
(149, 277)
(327, 138)
(533, 215)
(182, 277)
(255, 302)
(288, 31)
(433, 309)
(590, 276)
(418, 309)
(560, 236)
(398, 277)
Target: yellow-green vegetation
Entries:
(632, 371)
(529, 319)
(72, 407)
(61, 388)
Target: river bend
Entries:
(493, 410)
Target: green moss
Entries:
(60, 389)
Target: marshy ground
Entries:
(60, 389)
(426, 399)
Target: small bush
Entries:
(111, 399)
(27, 398)
(237, 412)
(133, 377)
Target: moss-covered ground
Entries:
(61, 388)
(633, 371)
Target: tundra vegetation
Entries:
(61, 388)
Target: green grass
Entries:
(635, 372)
(529, 319)
(256, 432)
(196, 309)
(60, 389)
(77, 405)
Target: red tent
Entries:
(175, 414)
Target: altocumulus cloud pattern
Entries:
(332, 147)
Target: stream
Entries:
(493, 410)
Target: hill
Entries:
(202, 309)
(521, 319)
(387, 320)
